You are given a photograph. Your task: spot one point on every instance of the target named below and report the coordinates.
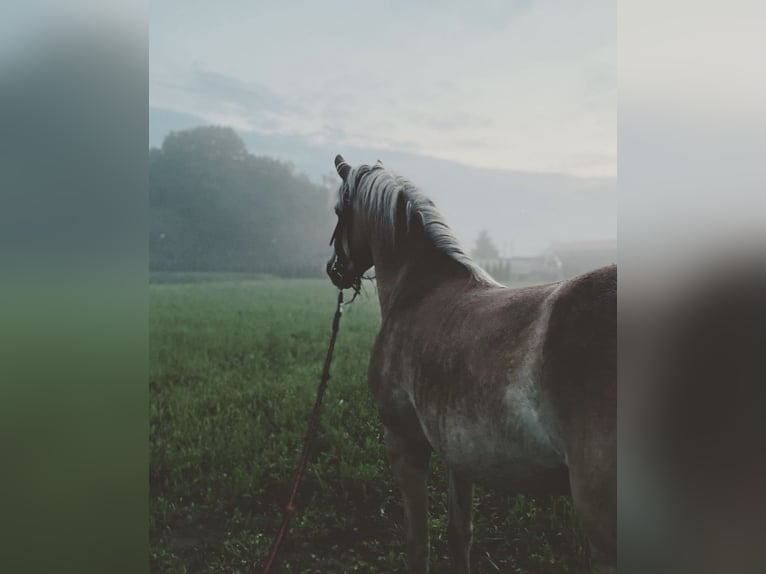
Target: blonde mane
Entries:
(377, 192)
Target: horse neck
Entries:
(418, 267)
(389, 277)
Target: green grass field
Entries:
(234, 368)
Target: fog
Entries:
(504, 116)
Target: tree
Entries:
(216, 207)
(485, 247)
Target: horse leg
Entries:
(409, 460)
(460, 526)
(593, 482)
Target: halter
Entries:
(342, 258)
(344, 213)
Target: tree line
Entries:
(216, 207)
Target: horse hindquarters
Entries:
(580, 381)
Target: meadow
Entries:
(234, 366)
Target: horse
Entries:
(511, 388)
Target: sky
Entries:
(502, 84)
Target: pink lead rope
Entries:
(312, 430)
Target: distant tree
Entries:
(216, 207)
(485, 247)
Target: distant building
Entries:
(498, 267)
(576, 257)
(535, 268)
(559, 261)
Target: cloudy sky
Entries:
(508, 84)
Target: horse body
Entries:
(476, 395)
(512, 388)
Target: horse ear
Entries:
(380, 163)
(342, 167)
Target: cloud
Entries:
(451, 123)
(249, 95)
(534, 83)
(222, 99)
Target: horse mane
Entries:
(379, 192)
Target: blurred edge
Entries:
(692, 296)
(73, 259)
(73, 396)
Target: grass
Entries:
(234, 369)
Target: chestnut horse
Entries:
(511, 388)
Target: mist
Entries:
(504, 116)
(219, 204)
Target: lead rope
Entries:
(308, 437)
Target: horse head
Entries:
(352, 256)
